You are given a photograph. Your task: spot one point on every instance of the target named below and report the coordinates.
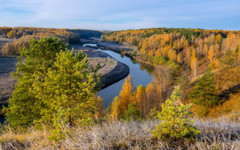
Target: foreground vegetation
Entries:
(214, 134)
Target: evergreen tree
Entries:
(132, 113)
(24, 106)
(183, 83)
(175, 122)
(205, 93)
(236, 54)
(228, 59)
(68, 85)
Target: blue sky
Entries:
(121, 14)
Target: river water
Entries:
(140, 73)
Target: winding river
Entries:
(140, 73)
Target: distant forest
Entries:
(19, 37)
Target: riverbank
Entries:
(110, 70)
(118, 48)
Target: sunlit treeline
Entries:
(18, 32)
(145, 99)
(22, 35)
(188, 47)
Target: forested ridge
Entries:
(189, 47)
(207, 58)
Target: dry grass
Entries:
(229, 108)
(215, 134)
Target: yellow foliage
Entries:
(219, 38)
(100, 107)
(114, 114)
(125, 96)
(230, 108)
(211, 53)
(141, 98)
(193, 62)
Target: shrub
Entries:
(8, 49)
(159, 60)
(122, 50)
(153, 114)
(132, 113)
(228, 59)
(175, 123)
(134, 53)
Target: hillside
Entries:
(195, 51)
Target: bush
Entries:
(159, 60)
(175, 123)
(153, 114)
(8, 49)
(132, 113)
(122, 50)
(134, 53)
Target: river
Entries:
(140, 73)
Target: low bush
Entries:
(175, 126)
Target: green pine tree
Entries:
(236, 54)
(205, 93)
(183, 83)
(24, 106)
(132, 113)
(228, 59)
(175, 122)
(69, 85)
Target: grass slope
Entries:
(215, 134)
